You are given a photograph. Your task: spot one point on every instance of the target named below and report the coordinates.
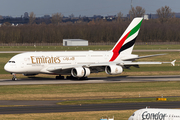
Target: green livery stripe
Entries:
(135, 29)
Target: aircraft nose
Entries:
(10, 68)
(7, 67)
(130, 118)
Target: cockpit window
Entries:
(133, 114)
(11, 62)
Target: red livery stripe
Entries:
(118, 47)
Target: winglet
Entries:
(173, 62)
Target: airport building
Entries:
(75, 42)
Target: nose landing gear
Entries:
(14, 77)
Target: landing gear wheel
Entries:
(60, 77)
(75, 78)
(84, 78)
(70, 77)
(14, 77)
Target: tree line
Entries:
(164, 29)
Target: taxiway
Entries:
(52, 107)
(117, 79)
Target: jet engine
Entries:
(80, 72)
(113, 69)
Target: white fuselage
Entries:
(156, 114)
(38, 62)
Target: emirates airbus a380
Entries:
(80, 64)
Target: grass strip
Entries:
(106, 101)
(13, 105)
(89, 91)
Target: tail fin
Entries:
(126, 42)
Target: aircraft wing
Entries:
(58, 68)
(139, 57)
(125, 64)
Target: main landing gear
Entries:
(59, 77)
(75, 78)
(70, 78)
(14, 77)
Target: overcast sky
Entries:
(16, 8)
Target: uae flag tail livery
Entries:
(125, 44)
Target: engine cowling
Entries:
(113, 69)
(80, 72)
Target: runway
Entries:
(50, 108)
(118, 79)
